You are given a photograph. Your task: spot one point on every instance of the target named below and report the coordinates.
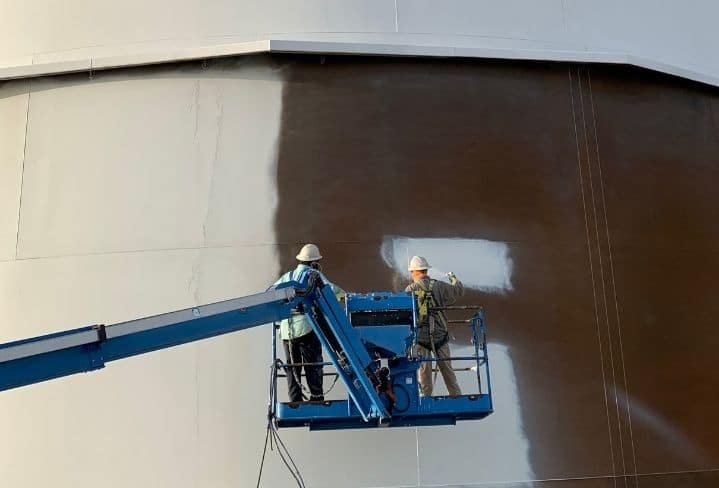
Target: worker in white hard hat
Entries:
(432, 334)
(299, 340)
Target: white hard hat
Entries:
(418, 263)
(309, 252)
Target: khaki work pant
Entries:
(445, 367)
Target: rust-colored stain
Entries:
(602, 182)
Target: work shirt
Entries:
(299, 325)
(444, 294)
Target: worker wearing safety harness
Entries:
(299, 340)
(433, 335)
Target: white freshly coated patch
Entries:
(480, 264)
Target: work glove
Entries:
(452, 278)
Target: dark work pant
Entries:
(305, 349)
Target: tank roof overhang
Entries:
(359, 45)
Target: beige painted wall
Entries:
(143, 193)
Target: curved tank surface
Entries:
(576, 202)
(49, 37)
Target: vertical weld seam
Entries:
(416, 438)
(614, 283)
(396, 17)
(22, 169)
(591, 269)
(604, 289)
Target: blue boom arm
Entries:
(88, 348)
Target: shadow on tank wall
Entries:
(600, 183)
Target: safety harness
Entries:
(426, 302)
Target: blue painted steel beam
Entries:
(352, 362)
(89, 348)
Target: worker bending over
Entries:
(433, 335)
(300, 342)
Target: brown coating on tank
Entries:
(602, 180)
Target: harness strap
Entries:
(426, 300)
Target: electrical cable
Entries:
(262, 462)
(273, 436)
(270, 406)
(285, 456)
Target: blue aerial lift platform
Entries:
(370, 342)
